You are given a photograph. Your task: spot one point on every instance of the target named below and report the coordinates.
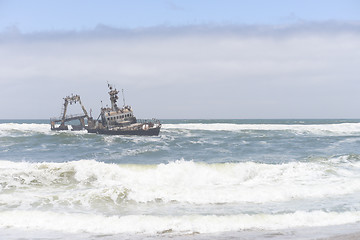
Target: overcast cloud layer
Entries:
(308, 70)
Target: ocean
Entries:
(199, 179)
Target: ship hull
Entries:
(60, 128)
(137, 132)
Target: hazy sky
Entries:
(182, 59)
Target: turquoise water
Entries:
(197, 179)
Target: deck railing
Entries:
(154, 120)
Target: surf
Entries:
(186, 224)
(179, 181)
(322, 129)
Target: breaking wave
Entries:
(100, 224)
(24, 128)
(342, 128)
(88, 182)
(337, 129)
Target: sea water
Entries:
(199, 179)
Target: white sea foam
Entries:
(100, 224)
(342, 128)
(88, 181)
(338, 129)
(24, 128)
(29, 129)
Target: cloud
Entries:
(247, 71)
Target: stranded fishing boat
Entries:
(121, 121)
(111, 121)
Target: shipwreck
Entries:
(112, 120)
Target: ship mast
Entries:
(113, 98)
(123, 96)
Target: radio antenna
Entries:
(123, 96)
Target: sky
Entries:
(182, 59)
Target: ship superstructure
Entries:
(116, 116)
(121, 121)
